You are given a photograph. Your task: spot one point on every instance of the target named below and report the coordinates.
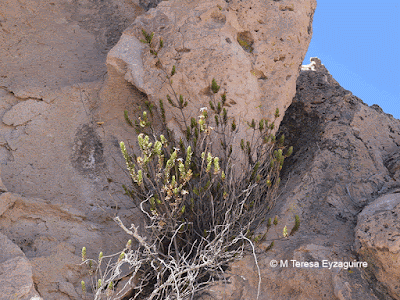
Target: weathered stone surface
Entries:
(15, 273)
(2, 189)
(341, 163)
(378, 240)
(24, 112)
(50, 44)
(253, 49)
(68, 170)
(52, 236)
(350, 284)
(6, 201)
(68, 288)
(147, 4)
(393, 165)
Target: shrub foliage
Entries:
(202, 195)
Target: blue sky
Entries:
(359, 44)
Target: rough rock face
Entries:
(59, 151)
(252, 48)
(378, 241)
(68, 171)
(15, 272)
(61, 167)
(59, 135)
(147, 4)
(343, 160)
(48, 235)
(49, 44)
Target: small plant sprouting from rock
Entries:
(261, 237)
(214, 86)
(270, 246)
(83, 285)
(285, 233)
(245, 41)
(245, 45)
(83, 253)
(199, 212)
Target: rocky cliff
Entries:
(67, 72)
(343, 183)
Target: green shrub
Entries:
(199, 213)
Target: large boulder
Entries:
(253, 49)
(378, 241)
(15, 273)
